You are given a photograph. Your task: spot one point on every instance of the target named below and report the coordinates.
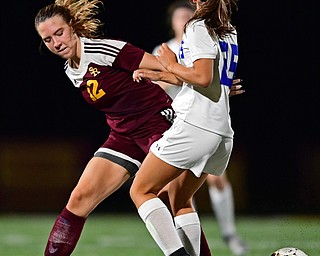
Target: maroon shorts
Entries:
(129, 150)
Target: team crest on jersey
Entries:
(94, 71)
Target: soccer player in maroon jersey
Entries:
(137, 113)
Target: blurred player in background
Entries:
(219, 187)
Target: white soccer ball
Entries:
(289, 251)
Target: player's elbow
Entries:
(204, 81)
(206, 84)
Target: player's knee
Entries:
(78, 196)
(217, 181)
(140, 194)
(133, 193)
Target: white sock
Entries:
(223, 207)
(189, 231)
(160, 225)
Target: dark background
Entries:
(48, 132)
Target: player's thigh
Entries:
(182, 189)
(153, 175)
(101, 178)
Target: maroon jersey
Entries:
(105, 79)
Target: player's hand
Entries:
(236, 88)
(147, 74)
(166, 56)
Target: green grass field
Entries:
(126, 235)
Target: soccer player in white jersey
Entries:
(202, 128)
(219, 187)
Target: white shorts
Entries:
(186, 146)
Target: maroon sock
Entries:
(204, 246)
(64, 234)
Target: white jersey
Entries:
(207, 108)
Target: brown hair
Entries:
(80, 14)
(216, 15)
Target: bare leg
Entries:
(100, 179)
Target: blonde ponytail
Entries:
(80, 14)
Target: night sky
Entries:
(276, 121)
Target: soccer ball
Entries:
(289, 251)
